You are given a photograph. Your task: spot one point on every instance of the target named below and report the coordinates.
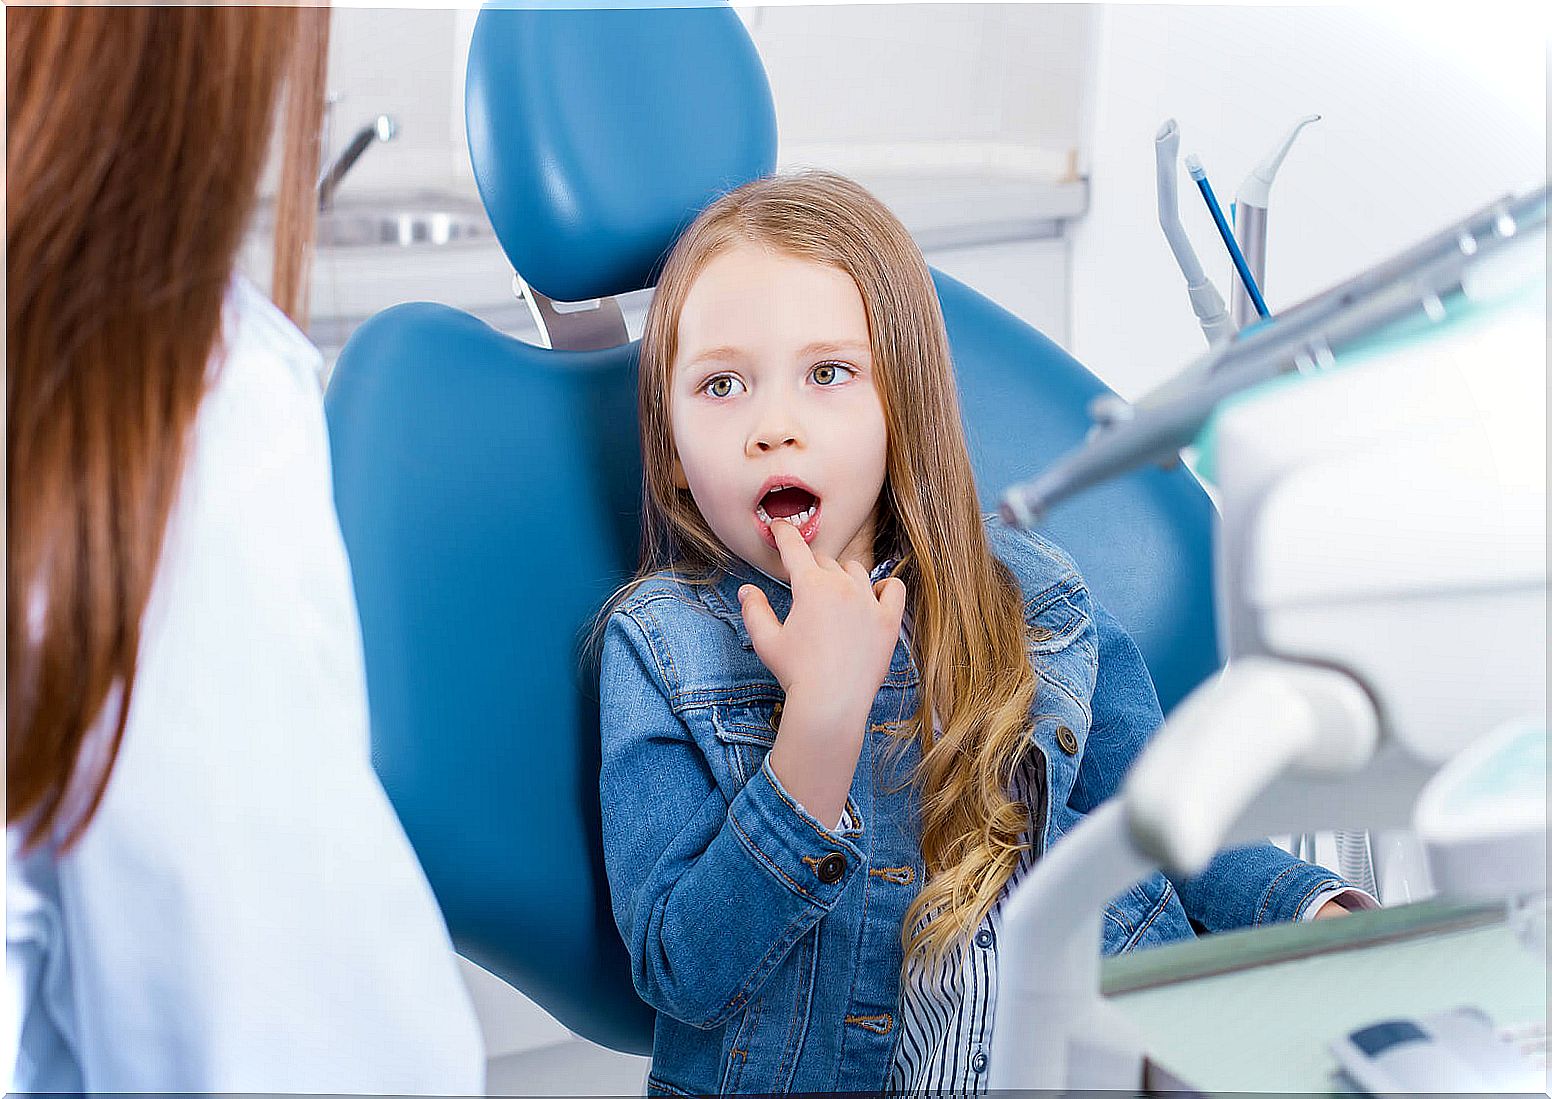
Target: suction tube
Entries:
(1206, 302)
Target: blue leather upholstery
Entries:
(1143, 541)
(488, 489)
(595, 132)
(488, 493)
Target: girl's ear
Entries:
(678, 474)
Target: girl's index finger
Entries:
(796, 556)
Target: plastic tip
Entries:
(1194, 166)
(1166, 131)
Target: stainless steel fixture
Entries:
(382, 128)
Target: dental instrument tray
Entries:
(1305, 337)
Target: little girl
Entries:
(842, 713)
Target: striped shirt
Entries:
(947, 1009)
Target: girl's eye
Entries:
(830, 373)
(722, 385)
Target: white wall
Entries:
(404, 63)
(1429, 112)
(856, 86)
(926, 82)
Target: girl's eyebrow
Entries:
(834, 347)
(715, 354)
(818, 347)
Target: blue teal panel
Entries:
(597, 135)
(1144, 541)
(488, 492)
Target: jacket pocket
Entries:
(746, 732)
(1054, 620)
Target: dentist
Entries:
(207, 889)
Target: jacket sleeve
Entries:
(1242, 886)
(709, 895)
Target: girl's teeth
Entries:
(796, 520)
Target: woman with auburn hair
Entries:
(207, 889)
(843, 713)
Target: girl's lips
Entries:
(809, 529)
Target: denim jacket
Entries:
(770, 944)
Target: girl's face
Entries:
(772, 406)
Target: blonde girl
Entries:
(843, 712)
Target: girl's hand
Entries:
(830, 656)
(1329, 910)
(840, 633)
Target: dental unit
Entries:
(1304, 339)
(1350, 560)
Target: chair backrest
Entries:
(489, 490)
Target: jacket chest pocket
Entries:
(745, 732)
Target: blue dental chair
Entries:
(489, 490)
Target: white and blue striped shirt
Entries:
(947, 1010)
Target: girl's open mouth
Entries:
(788, 503)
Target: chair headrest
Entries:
(597, 134)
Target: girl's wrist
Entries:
(815, 755)
(828, 710)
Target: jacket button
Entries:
(776, 717)
(978, 1062)
(1067, 740)
(831, 867)
(983, 939)
(1040, 633)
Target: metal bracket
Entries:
(573, 326)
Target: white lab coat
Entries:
(244, 913)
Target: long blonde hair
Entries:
(968, 637)
(136, 137)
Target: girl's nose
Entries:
(777, 424)
(768, 441)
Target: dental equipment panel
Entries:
(1376, 510)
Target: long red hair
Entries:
(135, 141)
